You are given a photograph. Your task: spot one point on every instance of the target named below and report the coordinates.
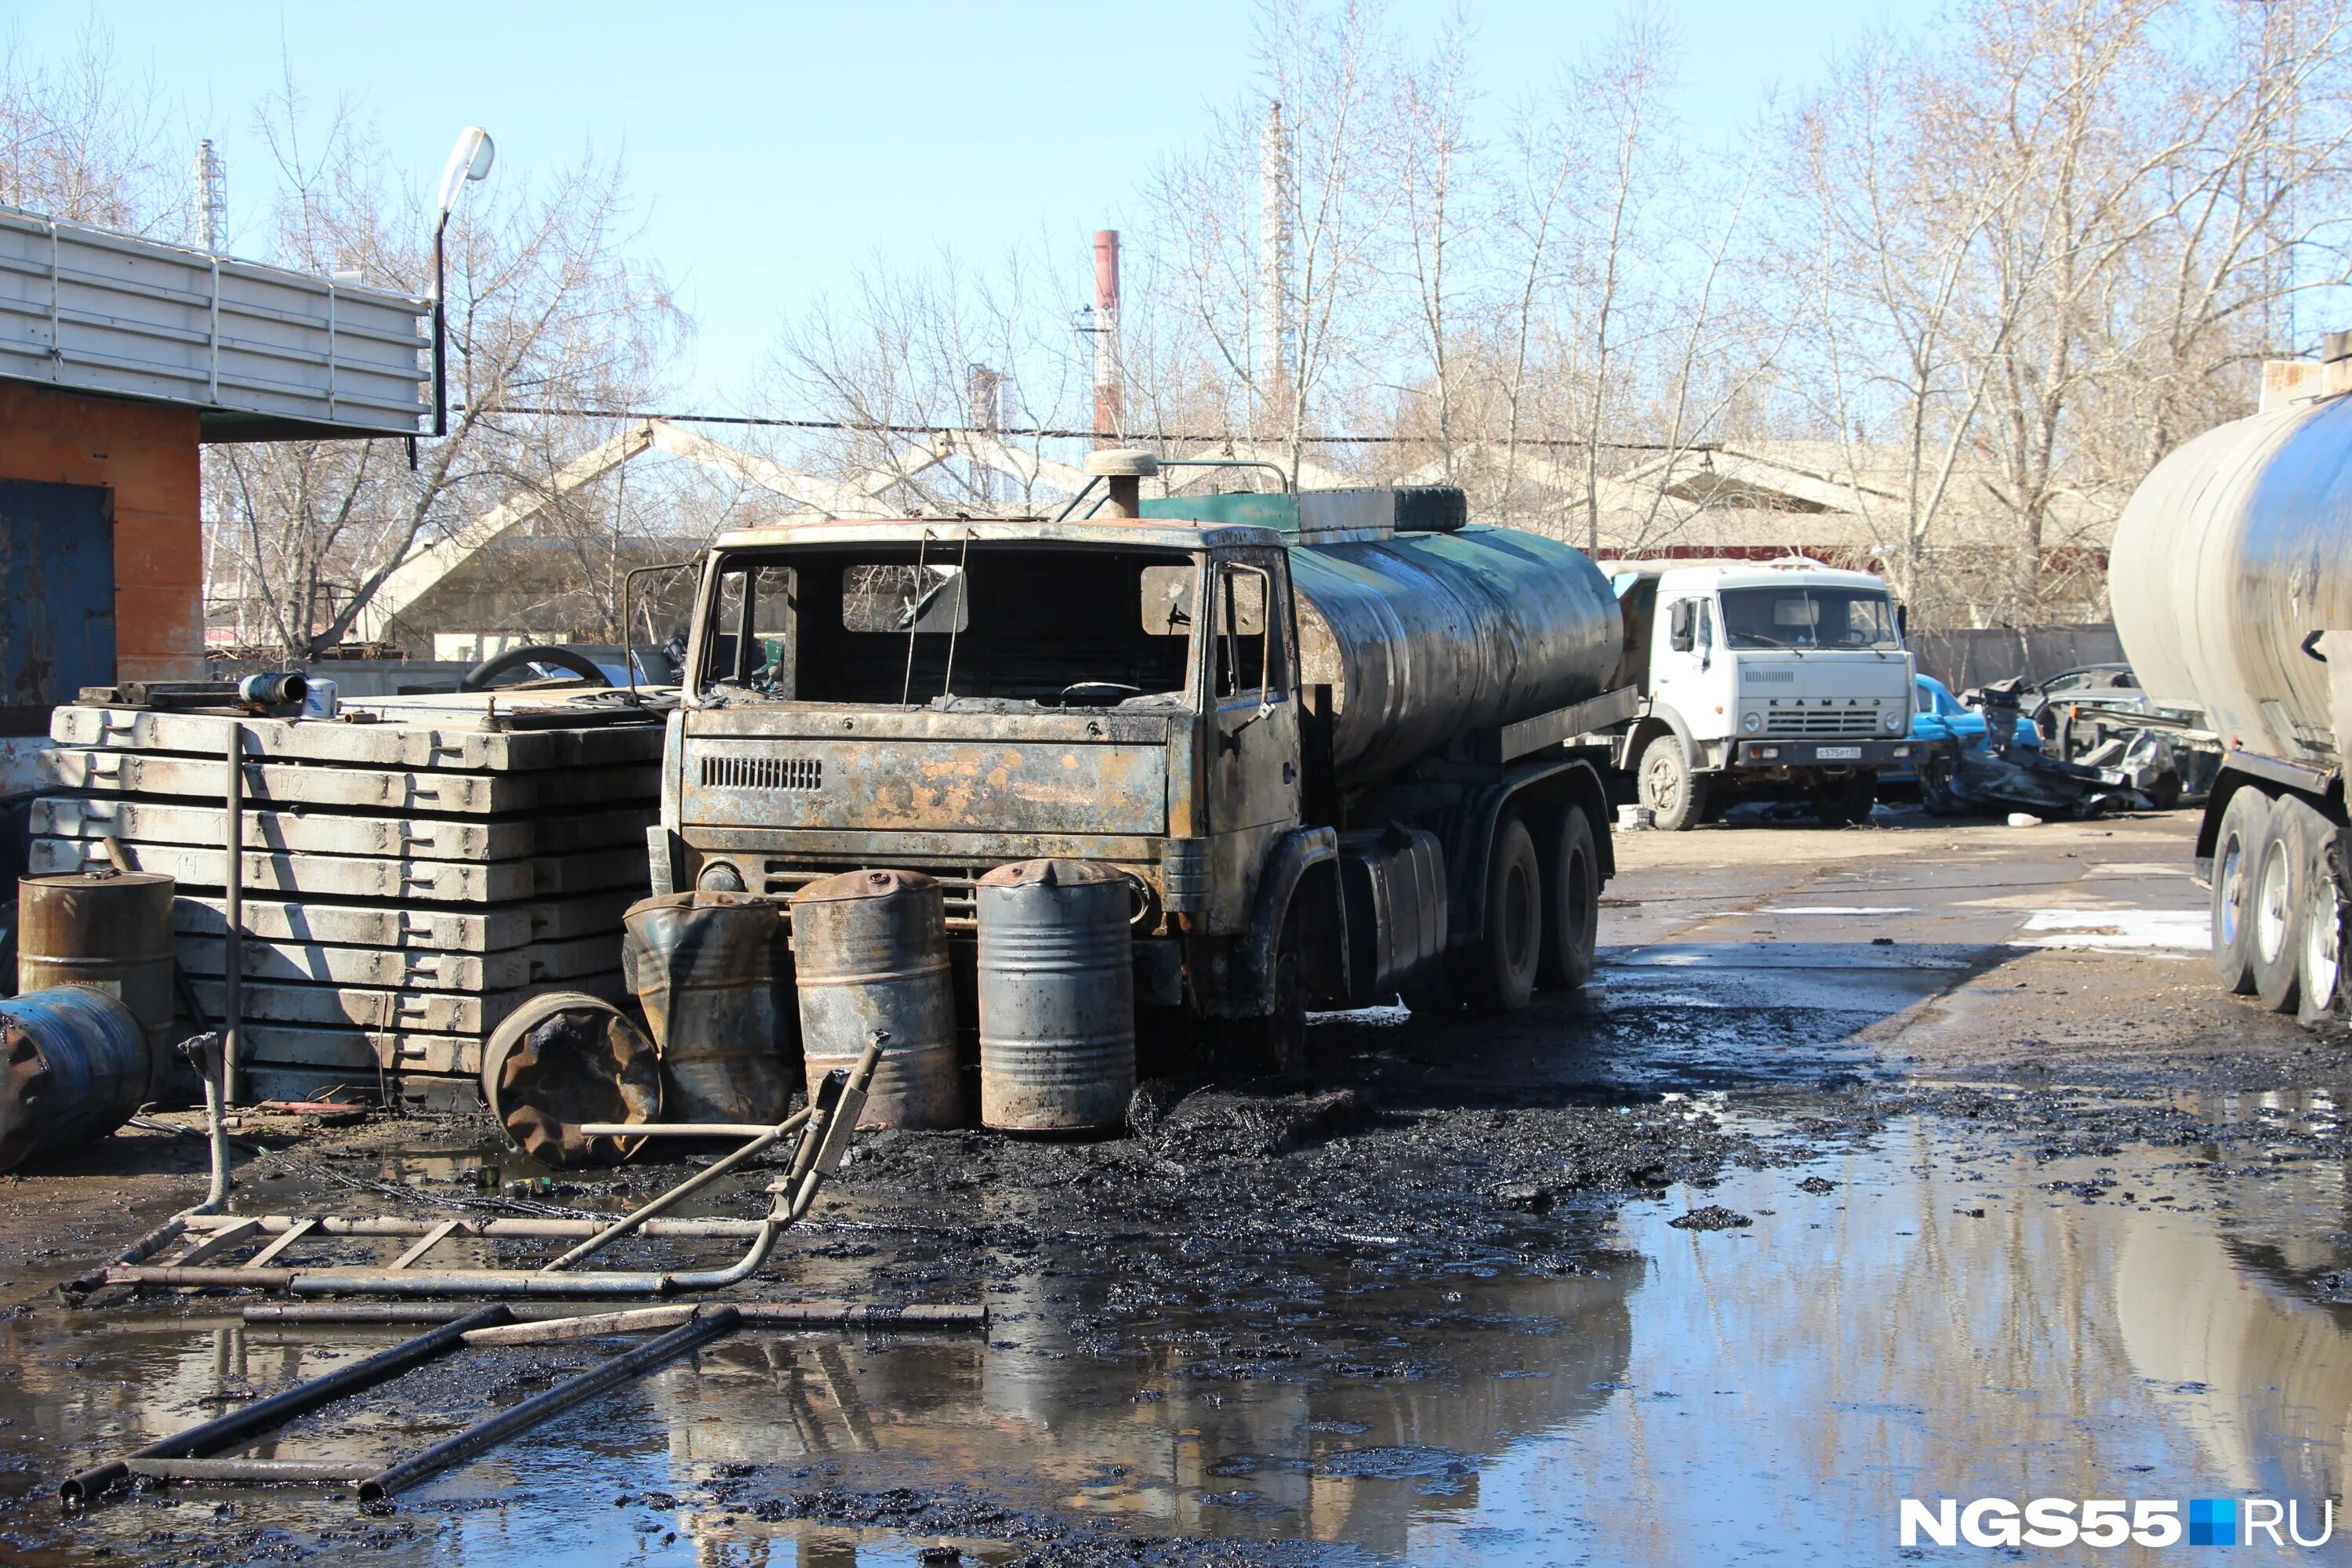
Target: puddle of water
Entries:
(1948, 1319)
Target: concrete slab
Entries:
(492, 930)
(395, 1013)
(449, 739)
(405, 969)
(351, 877)
(305, 831)
(96, 769)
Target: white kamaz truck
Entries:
(1759, 681)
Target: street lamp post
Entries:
(470, 160)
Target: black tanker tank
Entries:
(1425, 625)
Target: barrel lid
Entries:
(104, 877)
(1052, 873)
(696, 898)
(873, 884)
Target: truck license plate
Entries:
(1838, 754)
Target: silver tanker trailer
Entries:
(2231, 584)
(1328, 739)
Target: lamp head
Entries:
(470, 159)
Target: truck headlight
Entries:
(720, 876)
(1893, 720)
(1751, 722)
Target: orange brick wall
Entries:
(147, 456)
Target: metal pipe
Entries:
(672, 1128)
(465, 1445)
(531, 1228)
(686, 1189)
(252, 1469)
(250, 1421)
(232, 905)
(787, 1314)
(784, 1314)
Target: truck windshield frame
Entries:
(999, 625)
(1809, 616)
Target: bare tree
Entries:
(547, 308)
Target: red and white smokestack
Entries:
(1111, 380)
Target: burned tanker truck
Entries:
(1327, 744)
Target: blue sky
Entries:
(778, 147)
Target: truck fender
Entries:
(1473, 840)
(1302, 865)
(1660, 716)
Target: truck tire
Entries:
(1502, 967)
(2320, 964)
(2244, 821)
(1846, 802)
(1936, 792)
(1675, 795)
(1274, 1045)
(1572, 917)
(2280, 900)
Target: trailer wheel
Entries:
(1572, 917)
(1675, 795)
(2320, 964)
(1502, 969)
(2243, 823)
(2280, 900)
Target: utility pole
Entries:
(211, 196)
(1110, 375)
(1277, 343)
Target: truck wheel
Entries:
(1571, 919)
(1935, 791)
(2280, 900)
(1846, 802)
(1502, 966)
(1275, 1045)
(2320, 964)
(2242, 826)
(1674, 795)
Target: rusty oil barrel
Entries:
(1057, 997)
(113, 932)
(714, 972)
(870, 952)
(73, 1066)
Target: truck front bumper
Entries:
(1772, 753)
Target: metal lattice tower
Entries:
(211, 196)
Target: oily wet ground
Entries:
(1779, 1224)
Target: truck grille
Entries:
(805, 773)
(1820, 721)
(959, 885)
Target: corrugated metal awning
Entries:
(264, 354)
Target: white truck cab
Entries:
(1774, 679)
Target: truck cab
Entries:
(1167, 697)
(1783, 679)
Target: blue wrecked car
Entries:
(1937, 715)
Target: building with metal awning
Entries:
(120, 358)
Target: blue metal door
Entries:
(56, 598)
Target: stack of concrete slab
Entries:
(411, 870)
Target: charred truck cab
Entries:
(1323, 736)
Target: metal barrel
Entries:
(870, 952)
(1057, 997)
(714, 972)
(113, 932)
(73, 1066)
(564, 1060)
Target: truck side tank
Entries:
(2233, 551)
(1427, 627)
